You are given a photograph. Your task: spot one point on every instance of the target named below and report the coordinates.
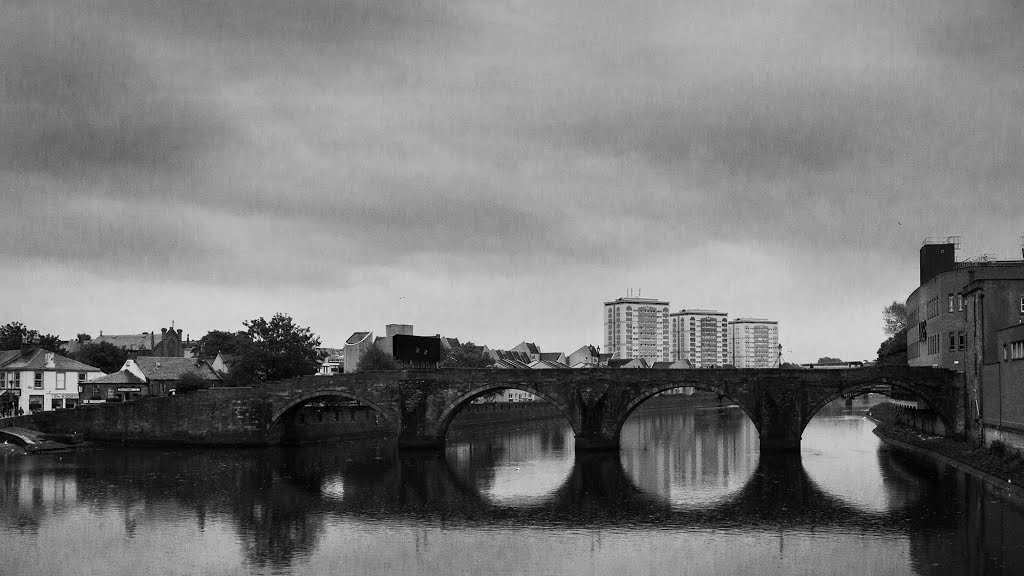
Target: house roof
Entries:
(173, 367)
(120, 377)
(551, 356)
(628, 363)
(35, 359)
(510, 365)
(547, 364)
(144, 341)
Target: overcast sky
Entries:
(495, 171)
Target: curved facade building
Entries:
(940, 327)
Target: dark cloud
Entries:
(76, 100)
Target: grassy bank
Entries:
(997, 460)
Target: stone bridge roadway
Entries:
(420, 405)
(596, 403)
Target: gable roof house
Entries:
(530, 349)
(163, 372)
(38, 380)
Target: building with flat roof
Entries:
(965, 316)
(754, 343)
(637, 328)
(700, 336)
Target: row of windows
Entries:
(933, 344)
(1014, 350)
(932, 307)
(13, 379)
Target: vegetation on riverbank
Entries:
(998, 459)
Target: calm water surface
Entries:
(688, 494)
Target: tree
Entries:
(894, 318)
(829, 360)
(215, 341)
(103, 355)
(190, 382)
(467, 355)
(276, 350)
(14, 334)
(894, 322)
(51, 342)
(376, 359)
(894, 349)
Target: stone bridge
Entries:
(419, 406)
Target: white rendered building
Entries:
(700, 336)
(637, 328)
(755, 343)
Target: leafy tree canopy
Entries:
(375, 359)
(103, 355)
(222, 341)
(190, 382)
(829, 360)
(894, 349)
(14, 335)
(468, 355)
(894, 318)
(275, 349)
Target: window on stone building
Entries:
(1022, 305)
(952, 340)
(950, 302)
(960, 302)
(962, 336)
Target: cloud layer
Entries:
(334, 148)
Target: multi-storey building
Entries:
(938, 327)
(700, 336)
(637, 328)
(966, 316)
(754, 343)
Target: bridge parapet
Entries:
(422, 404)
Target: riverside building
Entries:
(637, 328)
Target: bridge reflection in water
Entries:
(286, 507)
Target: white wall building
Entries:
(39, 381)
(755, 343)
(700, 336)
(637, 328)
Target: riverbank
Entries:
(998, 467)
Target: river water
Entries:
(687, 494)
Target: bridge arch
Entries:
(649, 393)
(455, 406)
(306, 397)
(948, 420)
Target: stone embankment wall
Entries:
(922, 420)
(228, 416)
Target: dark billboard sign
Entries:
(416, 348)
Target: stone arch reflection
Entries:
(689, 450)
(845, 458)
(518, 465)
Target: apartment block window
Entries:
(951, 303)
(1022, 305)
(960, 302)
(38, 383)
(963, 340)
(952, 340)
